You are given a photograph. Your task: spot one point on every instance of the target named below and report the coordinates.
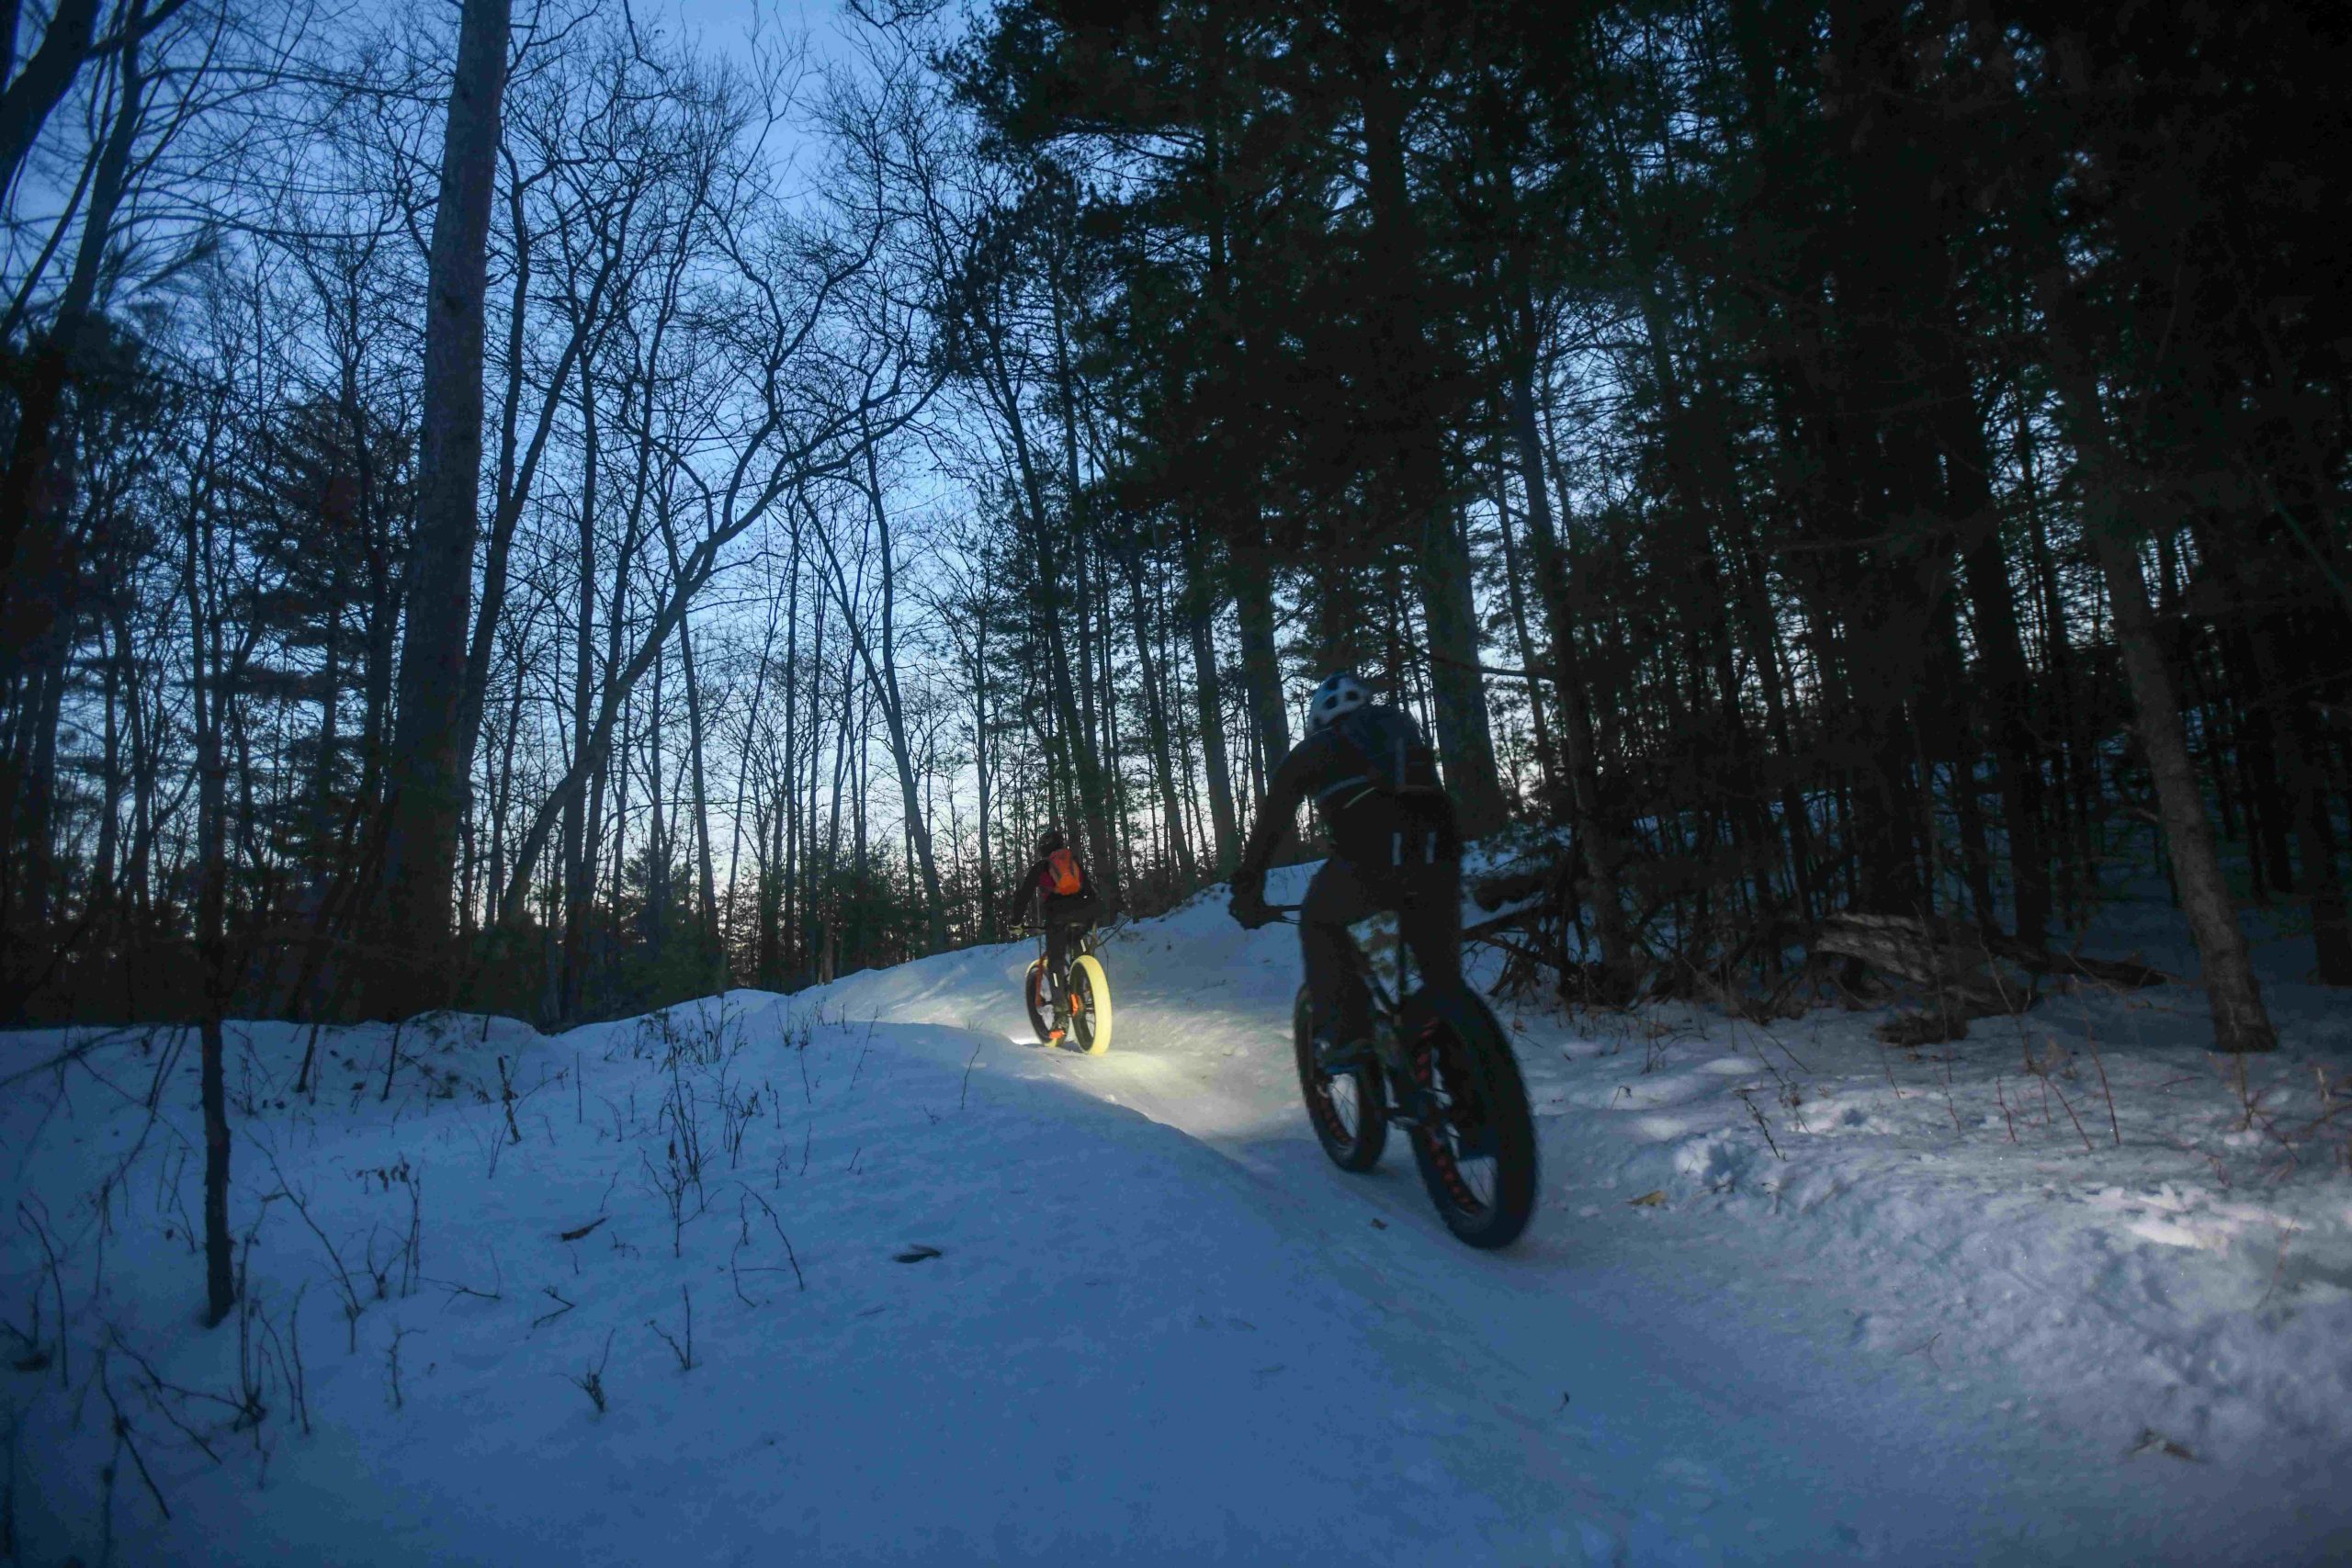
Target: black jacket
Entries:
(1374, 781)
(1032, 904)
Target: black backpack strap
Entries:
(1387, 756)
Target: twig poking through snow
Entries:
(497, 1291)
(506, 1100)
(392, 1364)
(1888, 1063)
(57, 1282)
(352, 1306)
(968, 1076)
(2113, 1126)
(123, 1444)
(1765, 1126)
(591, 1380)
(685, 1353)
(789, 1255)
(392, 1062)
(2070, 1114)
(556, 1295)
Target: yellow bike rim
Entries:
(1088, 978)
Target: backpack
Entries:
(1061, 874)
(1395, 813)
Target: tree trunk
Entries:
(2315, 844)
(895, 714)
(580, 813)
(1161, 719)
(1208, 689)
(39, 87)
(426, 784)
(1047, 587)
(1400, 351)
(982, 746)
(2001, 649)
(1596, 836)
(208, 696)
(1463, 739)
(1545, 765)
(1261, 675)
(36, 569)
(2240, 1021)
(713, 953)
(788, 811)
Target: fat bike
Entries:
(1439, 1066)
(1074, 1005)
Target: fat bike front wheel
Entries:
(1475, 1138)
(1348, 1109)
(1090, 1004)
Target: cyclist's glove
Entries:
(1248, 905)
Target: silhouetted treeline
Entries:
(690, 514)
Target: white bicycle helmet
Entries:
(1340, 692)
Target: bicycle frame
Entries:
(1085, 946)
(1406, 1098)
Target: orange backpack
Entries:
(1061, 873)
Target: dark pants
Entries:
(1067, 921)
(1428, 902)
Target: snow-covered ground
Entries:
(2067, 1291)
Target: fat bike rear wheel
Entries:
(1348, 1109)
(1474, 1140)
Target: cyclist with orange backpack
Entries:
(1057, 895)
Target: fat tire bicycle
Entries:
(1084, 990)
(1439, 1066)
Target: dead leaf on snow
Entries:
(2155, 1442)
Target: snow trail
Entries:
(1729, 1390)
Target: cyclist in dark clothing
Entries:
(1057, 894)
(1395, 845)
